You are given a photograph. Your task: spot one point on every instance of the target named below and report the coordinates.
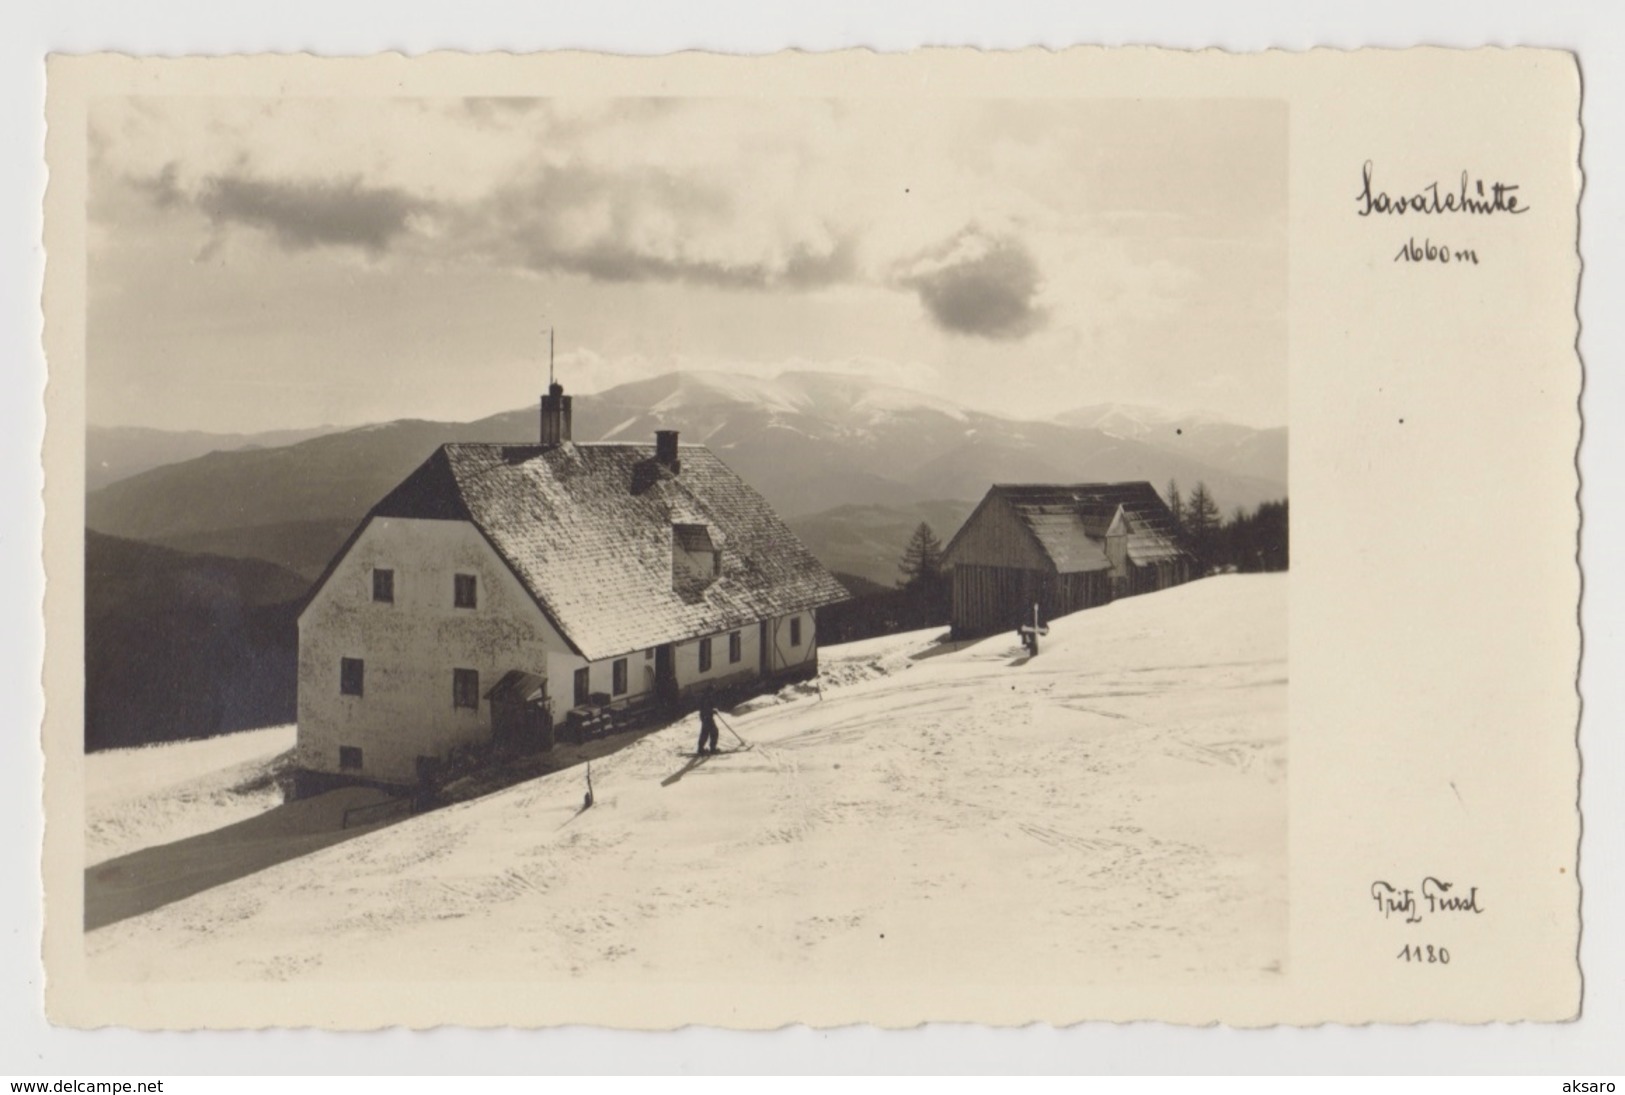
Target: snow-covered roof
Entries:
(588, 530)
(1064, 536)
(1069, 521)
(1149, 548)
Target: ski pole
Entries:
(729, 725)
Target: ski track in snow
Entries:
(1114, 807)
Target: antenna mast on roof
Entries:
(555, 425)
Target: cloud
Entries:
(298, 214)
(302, 215)
(644, 224)
(161, 188)
(804, 267)
(977, 283)
(628, 224)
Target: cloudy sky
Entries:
(269, 263)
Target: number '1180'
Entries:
(1429, 954)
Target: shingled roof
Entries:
(588, 530)
(1069, 521)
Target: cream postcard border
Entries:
(1433, 632)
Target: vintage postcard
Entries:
(826, 539)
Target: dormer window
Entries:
(696, 555)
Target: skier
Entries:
(708, 726)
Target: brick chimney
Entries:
(555, 416)
(666, 450)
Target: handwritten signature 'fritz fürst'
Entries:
(1435, 897)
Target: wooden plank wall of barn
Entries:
(1164, 574)
(990, 598)
(1084, 590)
(994, 598)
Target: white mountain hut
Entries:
(499, 587)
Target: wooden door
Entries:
(665, 673)
(538, 725)
(507, 719)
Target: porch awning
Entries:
(517, 684)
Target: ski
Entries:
(690, 755)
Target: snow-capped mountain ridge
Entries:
(809, 442)
(1138, 419)
(798, 392)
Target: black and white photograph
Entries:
(629, 539)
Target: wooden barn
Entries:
(1063, 548)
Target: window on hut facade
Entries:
(465, 688)
(465, 591)
(350, 758)
(735, 648)
(618, 678)
(352, 675)
(795, 630)
(581, 686)
(383, 585)
(705, 655)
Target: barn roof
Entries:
(588, 530)
(1069, 521)
(1064, 537)
(1149, 548)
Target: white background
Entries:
(30, 1048)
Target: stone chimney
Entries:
(666, 450)
(555, 416)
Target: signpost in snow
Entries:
(1029, 633)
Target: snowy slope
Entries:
(1112, 809)
(137, 798)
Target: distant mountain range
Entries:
(180, 645)
(199, 545)
(867, 541)
(845, 459)
(1244, 450)
(118, 452)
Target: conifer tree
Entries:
(1202, 528)
(1176, 506)
(922, 558)
(923, 582)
